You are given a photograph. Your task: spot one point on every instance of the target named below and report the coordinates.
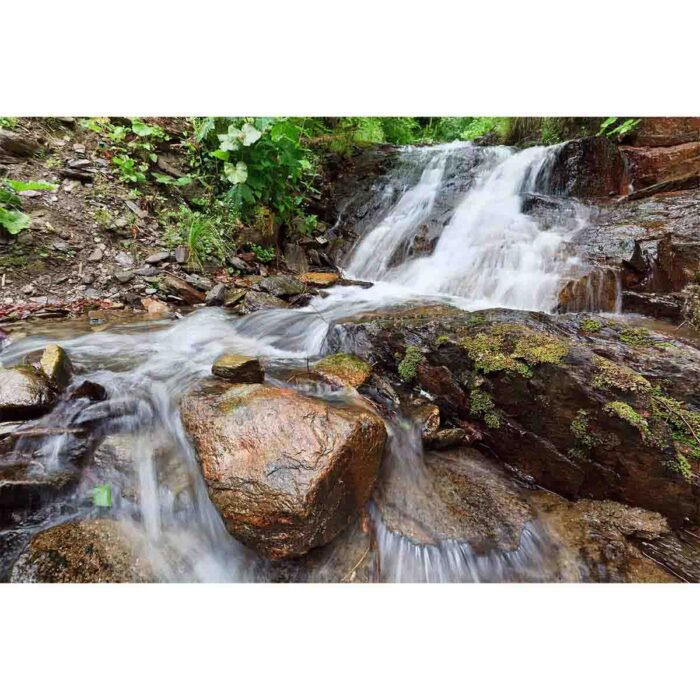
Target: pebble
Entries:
(61, 246)
(157, 258)
(28, 289)
(124, 259)
(96, 255)
(124, 276)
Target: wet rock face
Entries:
(24, 393)
(238, 369)
(88, 551)
(585, 409)
(650, 166)
(667, 131)
(56, 365)
(591, 167)
(343, 370)
(286, 472)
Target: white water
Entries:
(489, 254)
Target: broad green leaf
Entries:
(221, 155)
(162, 178)
(231, 140)
(102, 496)
(236, 174)
(19, 186)
(249, 134)
(10, 198)
(183, 181)
(14, 221)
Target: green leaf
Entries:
(162, 178)
(19, 186)
(236, 174)
(10, 198)
(221, 155)
(102, 496)
(231, 140)
(183, 181)
(13, 221)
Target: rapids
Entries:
(487, 253)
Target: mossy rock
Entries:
(344, 370)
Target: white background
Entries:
(348, 58)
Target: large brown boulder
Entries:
(287, 472)
(585, 407)
(24, 393)
(649, 166)
(666, 131)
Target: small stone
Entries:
(182, 254)
(79, 147)
(151, 290)
(87, 279)
(216, 295)
(28, 289)
(157, 258)
(238, 369)
(96, 255)
(199, 282)
(124, 259)
(319, 279)
(233, 297)
(124, 276)
(154, 306)
(238, 264)
(147, 271)
(344, 370)
(61, 246)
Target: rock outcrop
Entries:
(238, 369)
(25, 393)
(585, 408)
(287, 472)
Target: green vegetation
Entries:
(637, 337)
(612, 376)
(481, 404)
(203, 235)
(8, 122)
(409, 364)
(626, 413)
(590, 325)
(613, 127)
(262, 253)
(513, 349)
(581, 428)
(12, 218)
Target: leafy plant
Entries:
(8, 122)
(202, 234)
(608, 126)
(262, 253)
(12, 218)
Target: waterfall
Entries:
(482, 250)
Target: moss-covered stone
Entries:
(610, 375)
(590, 325)
(408, 366)
(586, 440)
(637, 338)
(344, 370)
(626, 413)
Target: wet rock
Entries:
(183, 290)
(234, 297)
(87, 551)
(88, 390)
(158, 258)
(669, 306)
(238, 369)
(427, 417)
(590, 167)
(666, 131)
(584, 412)
(606, 538)
(295, 257)
(281, 286)
(259, 301)
(25, 487)
(287, 472)
(216, 295)
(448, 438)
(56, 365)
(343, 370)
(24, 393)
(319, 279)
(199, 282)
(650, 166)
(239, 264)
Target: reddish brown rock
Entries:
(287, 472)
(24, 393)
(319, 279)
(183, 290)
(667, 131)
(649, 166)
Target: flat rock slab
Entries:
(286, 471)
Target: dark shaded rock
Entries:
(287, 472)
(238, 369)
(590, 167)
(24, 393)
(87, 551)
(258, 301)
(669, 306)
(88, 390)
(575, 410)
(16, 145)
(158, 258)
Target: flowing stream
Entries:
(487, 252)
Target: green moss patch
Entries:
(590, 325)
(481, 404)
(409, 364)
(610, 375)
(626, 413)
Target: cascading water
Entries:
(489, 253)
